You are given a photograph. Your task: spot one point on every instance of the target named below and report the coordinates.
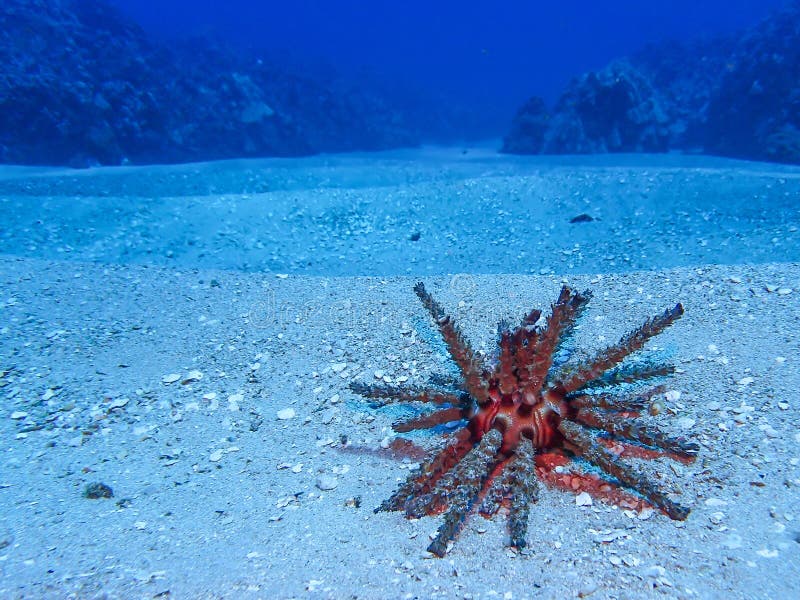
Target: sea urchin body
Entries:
(524, 414)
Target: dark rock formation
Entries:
(81, 85)
(732, 97)
(755, 112)
(613, 110)
(685, 75)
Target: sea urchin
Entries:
(524, 415)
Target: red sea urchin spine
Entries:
(613, 355)
(390, 394)
(560, 323)
(430, 420)
(506, 376)
(462, 487)
(424, 479)
(627, 403)
(632, 429)
(524, 489)
(514, 480)
(523, 342)
(608, 462)
(459, 348)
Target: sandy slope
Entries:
(428, 212)
(216, 496)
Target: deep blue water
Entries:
(490, 55)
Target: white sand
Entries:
(218, 498)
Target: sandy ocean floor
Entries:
(186, 336)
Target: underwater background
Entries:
(214, 216)
(90, 83)
(487, 57)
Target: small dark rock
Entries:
(582, 218)
(96, 490)
(414, 237)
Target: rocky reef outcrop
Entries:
(737, 96)
(613, 110)
(755, 112)
(83, 85)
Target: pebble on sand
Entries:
(171, 378)
(326, 482)
(191, 377)
(285, 413)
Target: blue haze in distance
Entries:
(490, 56)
